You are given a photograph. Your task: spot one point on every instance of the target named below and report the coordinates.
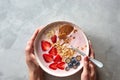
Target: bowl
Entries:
(53, 52)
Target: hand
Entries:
(35, 72)
(89, 69)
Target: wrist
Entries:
(32, 75)
(36, 74)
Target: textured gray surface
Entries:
(100, 19)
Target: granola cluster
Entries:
(64, 51)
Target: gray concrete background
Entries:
(100, 19)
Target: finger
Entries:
(40, 28)
(34, 59)
(30, 42)
(92, 69)
(34, 35)
(86, 66)
(91, 50)
(27, 49)
(36, 31)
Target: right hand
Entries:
(89, 69)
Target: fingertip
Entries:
(89, 41)
(91, 50)
(86, 61)
(86, 58)
(90, 44)
(86, 65)
(40, 28)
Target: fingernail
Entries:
(89, 41)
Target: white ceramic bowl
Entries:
(80, 40)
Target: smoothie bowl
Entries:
(53, 51)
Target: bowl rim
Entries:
(35, 51)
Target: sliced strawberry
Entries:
(48, 58)
(53, 51)
(58, 58)
(45, 45)
(53, 66)
(61, 65)
(54, 38)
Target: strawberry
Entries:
(48, 58)
(61, 65)
(54, 38)
(53, 51)
(45, 45)
(58, 58)
(53, 66)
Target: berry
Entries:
(48, 58)
(70, 65)
(53, 51)
(73, 60)
(54, 39)
(61, 65)
(53, 66)
(45, 45)
(77, 63)
(58, 58)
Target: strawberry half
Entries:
(61, 65)
(45, 45)
(53, 51)
(48, 58)
(58, 58)
(54, 38)
(53, 66)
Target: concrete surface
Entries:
(100, 19)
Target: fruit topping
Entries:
(70, 65)
(53, 51)
(53, 66)
(72, 62)
(61, 65)
(54, 38)
(45, 45)
(48, 58)
(58, 58)
(77, 63)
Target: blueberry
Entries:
(70, 65)
(77, 63)
(73, 60)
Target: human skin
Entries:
(89, 69)
(34, 70)
(36, 73)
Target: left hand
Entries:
(35, 72)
